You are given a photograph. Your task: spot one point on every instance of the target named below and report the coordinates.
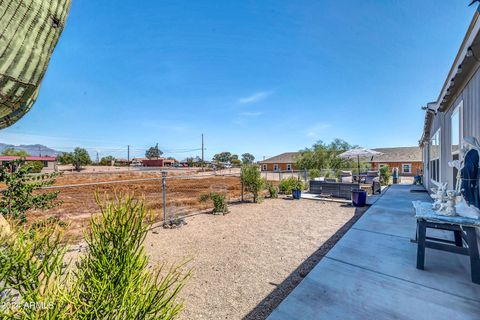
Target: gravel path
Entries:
(246, 262)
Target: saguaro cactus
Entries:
(29, 31)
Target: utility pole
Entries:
(128, 155)
(203, 160)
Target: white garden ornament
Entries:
(452, 202)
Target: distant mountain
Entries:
(32, 149)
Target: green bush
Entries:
(218, 199)
(314, 173)
(287, 185)
(272, 190)
(385, 175)
(35, 166)
(20, 194)
(111, 280)
(252, 180)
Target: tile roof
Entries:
(398, 154)
(287, 157)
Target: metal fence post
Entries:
(164, 196)
(241, 183)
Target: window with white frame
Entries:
(456, 121)
(289, 167)
(275, 167)
(435, 152)
(264, 167)
(406, 168)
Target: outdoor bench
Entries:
(464, 230)
(334, 189)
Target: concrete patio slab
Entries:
(371, 273)
(337, 290)
(393, 256)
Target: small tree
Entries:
(153, 152)
(223, 157)
(35, 166)
(20, 194)
(15, 152)
(78, 158)
(248, 158)
(385, 175)
(236, 162)
(252, 180)
(107, 161)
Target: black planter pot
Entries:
(359, 197)
(296, 194)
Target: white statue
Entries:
(462, 208)
(439, 195)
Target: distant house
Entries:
(407, 160)
(49, 163)
(282, 162)
(159, 162)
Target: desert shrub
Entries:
(272, 190)
(218, 199)
(287, 185)
(385, 175)
(35, 166)
(20, 194)
(252, 180)
(314, 173)
(31, 266)
(112, 280)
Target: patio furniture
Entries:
(371, 175)
(334, 189)
(376, 186)
(463, 230)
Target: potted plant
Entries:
(297, 188)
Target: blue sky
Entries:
(254, 76)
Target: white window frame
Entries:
(264, 167)
(458, 109)
(439, 156)
(289, 167)
(409, 165)
(275, 167)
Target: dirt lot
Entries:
(183, 191)
(247, 261)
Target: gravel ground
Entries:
(246, 262)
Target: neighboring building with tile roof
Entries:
(282, 162)
(407, 160)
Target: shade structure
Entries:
(359, 153)
(29, 32)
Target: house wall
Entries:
(270, 166)
(470, 95)
(153, 163)
(51, 166)
(417, 166)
